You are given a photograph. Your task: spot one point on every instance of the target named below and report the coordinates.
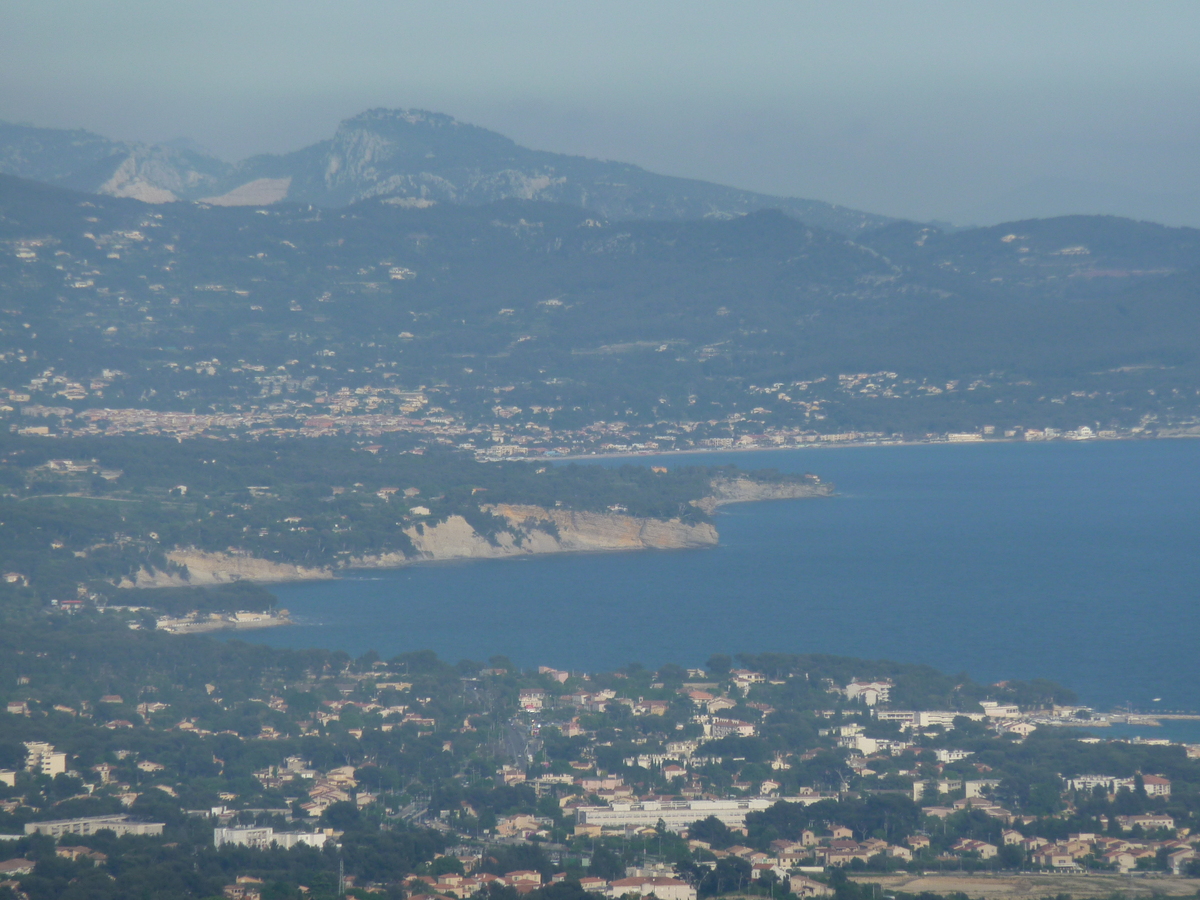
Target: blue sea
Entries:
(1078, 562)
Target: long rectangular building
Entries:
(678, 815)
(263, 838)
(119, 825)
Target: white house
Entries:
(871, 692)
(1157, 786)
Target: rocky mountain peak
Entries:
(413, 155)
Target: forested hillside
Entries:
(80, 515)
(543, 319)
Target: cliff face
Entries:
(745, 490)
(205, 569)
(608, 531)
(531, 530)
(538, 530)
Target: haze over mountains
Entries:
(413, 154)
(1049, 197)
(576, 297)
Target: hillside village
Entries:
(392, 336)
(428, 418)
(680, 783)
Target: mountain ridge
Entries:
(408, 154)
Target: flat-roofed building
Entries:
(119, 825)
(661, 887)
(43, 759)
(678, 815)
(262, 838)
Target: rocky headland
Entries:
(526, 530)
(748, 490)
(200, 568)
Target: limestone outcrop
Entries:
(532, 530)
(522, 531)
(745, 490)
(193, 567)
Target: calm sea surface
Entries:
(1076, 562)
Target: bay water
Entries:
(1078, 562)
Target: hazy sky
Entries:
(967, 111)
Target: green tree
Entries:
(719, 665)
(713, 832)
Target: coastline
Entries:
(240, 621)
(396, 561)
(839, 578)
(844, 445)
(532, 531)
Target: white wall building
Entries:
(943, 717)
(1156, 785)
(871, 692)
(994, 710)
(678, 815)
(662, 888)
(119, 825)
(264, 837)
(42, 759)
(949, 756)
(980, 786)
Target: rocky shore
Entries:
(747, 490)
(200, 568)
(530, 530)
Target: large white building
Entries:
(871, 692)
(660, 887)
(1155, 785)
(678, 815)
(119, 825)
(994, 710)
(1109, 783)
(943, 717)
(42, 759)
(265, 837)
(722, 728)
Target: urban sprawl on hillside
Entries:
(287, 772)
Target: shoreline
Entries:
(455, 540)
(358, 571)
(206, 626)
(836, 445)
(870, 476)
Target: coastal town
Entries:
(677, 784)
(175, 429)
(388, 508)
(398, 336)
(427, 418)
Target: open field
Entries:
(1031, 886)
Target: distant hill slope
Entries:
(412, 155)
(547, 312)
(88, 162)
